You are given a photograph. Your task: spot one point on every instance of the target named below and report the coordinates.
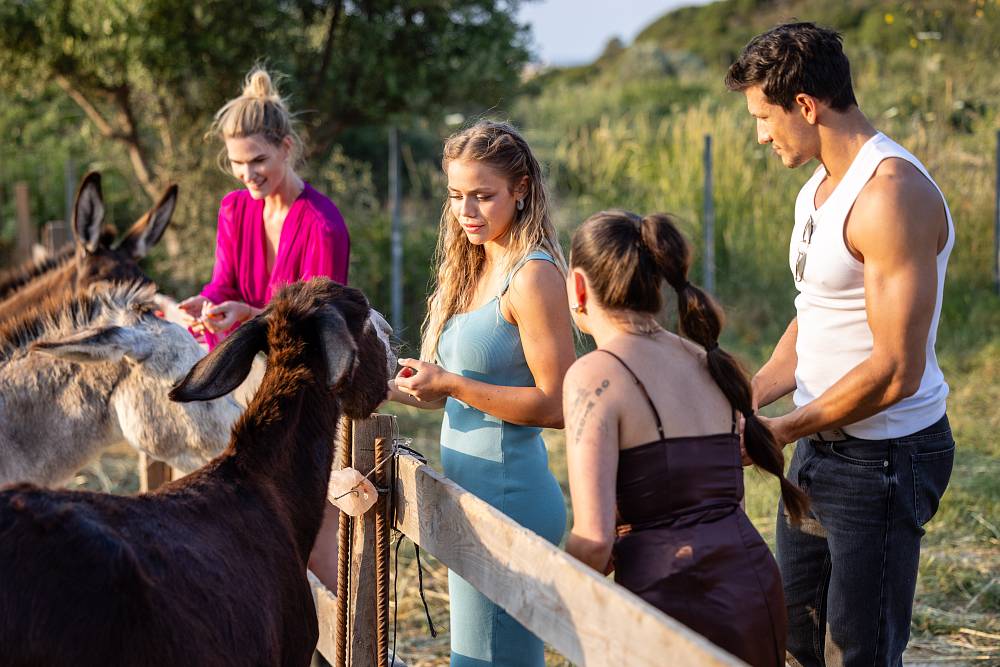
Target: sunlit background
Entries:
(618, 99)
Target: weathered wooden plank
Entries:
(326, 615)
(584, 616)
(153, 474)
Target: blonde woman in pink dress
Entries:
(277, 230)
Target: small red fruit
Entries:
(407, 372)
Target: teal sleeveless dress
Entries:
(504, 464)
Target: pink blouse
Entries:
(313, 242)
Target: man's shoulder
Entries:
(898, 185)
(898, 200)
(902, 170)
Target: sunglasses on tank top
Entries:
(800, 260)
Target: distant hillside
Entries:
(939, 59)
(716, 32)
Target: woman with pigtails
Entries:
(653, 443)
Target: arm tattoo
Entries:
(587, 400)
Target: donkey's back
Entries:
(92, 257)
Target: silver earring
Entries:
(520, 204)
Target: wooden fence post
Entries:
(708, 222)
(25, 230)
(362, 646)
(996, 222)
(55, 234)
(396, 235)
(153, 474)
(69, 188)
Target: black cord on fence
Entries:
(402, 446)
(420, 581)
(395, 590)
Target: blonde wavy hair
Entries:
(259, 110)
(459, 262)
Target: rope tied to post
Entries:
(344, 442)
(375, 488)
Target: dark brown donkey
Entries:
(210, 569)
(91, 257)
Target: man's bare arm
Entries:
(776, 378)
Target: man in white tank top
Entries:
(868, 255)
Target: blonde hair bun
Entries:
(258, 85)
(259, 110)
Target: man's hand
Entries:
(780, 428)
(744, 457)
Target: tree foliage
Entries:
(148, 74)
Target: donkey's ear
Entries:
(226, 366)
(339, 348)
(98, 344)
(88, 212)
(149, 228)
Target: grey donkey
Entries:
(81, 372)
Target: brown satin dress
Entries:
(685, 545)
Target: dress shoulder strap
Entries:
(534, 254)
(642, 388)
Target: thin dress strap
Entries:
(534, 254)
(642, 387)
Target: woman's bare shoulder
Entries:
(538, 274)
(594, 367)
(536, 291)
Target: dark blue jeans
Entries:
(850, 569)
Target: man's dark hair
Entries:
(795, 58)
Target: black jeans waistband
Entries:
(939, 426)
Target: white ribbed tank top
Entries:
(833, 332)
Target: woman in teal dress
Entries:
(497, 342)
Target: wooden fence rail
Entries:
(581, 614)
(584, 616)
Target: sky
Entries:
(574, 32)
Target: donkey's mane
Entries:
(74, 311)
(14, 278)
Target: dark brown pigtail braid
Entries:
(701, 321)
